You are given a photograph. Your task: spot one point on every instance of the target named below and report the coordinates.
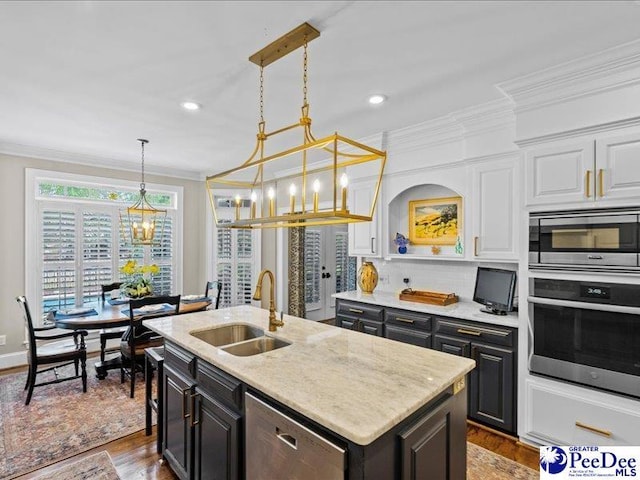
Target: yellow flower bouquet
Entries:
(138, 285)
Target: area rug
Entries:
(61, 421)
(95, 467)
(485, 465)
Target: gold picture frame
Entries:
(435, 221)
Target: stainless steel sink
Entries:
(228, 334)
(255, 346)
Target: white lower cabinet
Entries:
(563, 414)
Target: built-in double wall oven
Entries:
(586, 332)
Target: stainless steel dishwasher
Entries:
(279, 448)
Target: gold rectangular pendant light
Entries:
(305, 184)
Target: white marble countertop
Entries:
(463, 309)
(357, 385)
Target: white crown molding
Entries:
(579, 132)
(486, 117)
(425, 134)
(609, 69)
(42, 153)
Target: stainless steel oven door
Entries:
(589, 343)
(590, 240)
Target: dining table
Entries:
(112, 316)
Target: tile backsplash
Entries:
(442, 276)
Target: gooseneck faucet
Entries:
(273, 322)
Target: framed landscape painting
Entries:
(435, 221)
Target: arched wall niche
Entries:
(398, 221)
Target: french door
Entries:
(326, 266)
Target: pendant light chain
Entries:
(304, 75)
(261, 94)
(142, 184)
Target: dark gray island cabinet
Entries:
(384, 410)
(492, 383)
(204, 436)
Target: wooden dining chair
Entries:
(109, 333)
(217, 286)
(138, 337)
(57, 354)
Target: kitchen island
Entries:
(380, 401)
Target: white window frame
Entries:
(34, 205)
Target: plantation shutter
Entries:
(235, 253)
(96, 253)
(312, 267)
(58, 243)
(342, 261)
(162, 255)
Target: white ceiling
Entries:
(85, 79)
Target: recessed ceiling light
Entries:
(377, 99)
(192, 106)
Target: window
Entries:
(75, 244)
(236, 260)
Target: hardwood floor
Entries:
(135, 456)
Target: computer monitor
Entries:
(495, 288)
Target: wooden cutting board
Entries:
(425, 296)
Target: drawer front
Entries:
(475, 332)
(361, 310)
(180, 360)
(220, 385)
(406, 335)
(408, 319)
(568, 418)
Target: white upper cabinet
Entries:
(618, 167)
(495, 209)
(593, 172)
(364, 237)
(561, 174)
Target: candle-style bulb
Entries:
(344, 180)
(254, 199)
(238, 199)
(271, 193)
(316, 185)
(316, 190)
(292, 192)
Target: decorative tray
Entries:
(433, 298)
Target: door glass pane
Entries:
(312, 270)
(586, 238)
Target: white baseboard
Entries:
(19, 359)
(15, 359)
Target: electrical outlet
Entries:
(3, 339)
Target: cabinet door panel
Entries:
(406, 335)
(350, 323)
(618, 167)
(495, 210)
(491, 386)
(177, 430)
(370, 327)
(454, 346)
(217, 440)
(558, 174)
(364, 238)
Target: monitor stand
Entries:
(493, 311)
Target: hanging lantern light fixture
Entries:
(305, 184)
(141, 223)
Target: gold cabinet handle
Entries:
(588, 184)
(601, 181)
(405, 320)
(184, 403)
(469, 332)
(599, 431)
(475, 246)
(355, 310)
(194, 422)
